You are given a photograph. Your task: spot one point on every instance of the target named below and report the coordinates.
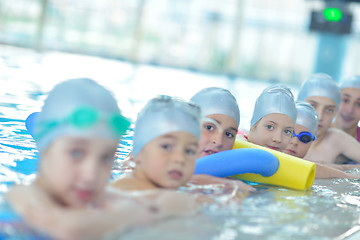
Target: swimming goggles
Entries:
(304, 137)
(84, 117)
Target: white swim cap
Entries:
(274, 99)
(78, 107)
(307, 116)
(352, 82)
(163, 115)
(322, 85)
(215, 100)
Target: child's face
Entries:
(167, 161)
(75, 170)
(326, 109)
(272, 131)
(214, 139)
(349, 109)
(296, 147)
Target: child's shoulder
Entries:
(123, 182)
(20, 198)
(337, 134)
(12, 209)
(337, 137)
(19, 193)
(127, 182)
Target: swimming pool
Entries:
(330, 210)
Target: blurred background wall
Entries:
(270, 40)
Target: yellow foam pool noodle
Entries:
(293, 172)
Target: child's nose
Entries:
(217, 139)
(350, 109)
(89, 172)
(294, 141)
(179, 157)
(276, 137)
(320, 115)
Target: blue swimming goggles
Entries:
(304, 137)
(84, 117)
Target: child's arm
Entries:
(218, 193)
(327, 171)
(202, 179)
(228, 191)
(348, 145)
(343, 167)
(44, 214)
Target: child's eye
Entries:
(270, 127)
(330, 110)
(108, 159)
(190, 151)
(229, 134)
(345, 100)
(166, 146)
(358, 104)
(288, 132)
(77, 153)
(209, 127)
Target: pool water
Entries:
(329, 210)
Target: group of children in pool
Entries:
(80, 125)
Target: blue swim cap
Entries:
(322, 85)
(215, 100)
(163, 115)
(274, 99)
(352, 82)
(307, 116)
(78, 107)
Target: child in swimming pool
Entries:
(165, 144)
(305, 130)
(273, 119)
(166, 122)
(77, 133)
(304, 135)
(221, 118)
(322, 92)
(348, 116)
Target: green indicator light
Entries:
(332, 14)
